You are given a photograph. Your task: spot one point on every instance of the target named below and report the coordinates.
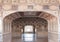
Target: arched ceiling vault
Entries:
(16, 15)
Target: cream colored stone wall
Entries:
(10, 6)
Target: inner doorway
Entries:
(28, 33)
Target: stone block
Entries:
(7, 1)
(54, 2)
(15, 2)
(14, 7)
(38, 7)
(45, 7)
(53, 7)
(22, 2)
(6, 7)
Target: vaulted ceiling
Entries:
(16, 15)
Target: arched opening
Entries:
(28, 33)
(43, 24)
(36, 28)
(28, 28)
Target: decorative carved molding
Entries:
(7, 1)
(6, 7)
(14, 7)
(15, 2)
(45, 7)
(30, 6)
(54, 2)
(53, 7)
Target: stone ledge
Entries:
(6, 33)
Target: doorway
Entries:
(28, 33)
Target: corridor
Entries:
(29, 27)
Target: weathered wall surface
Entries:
(10, 6)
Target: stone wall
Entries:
(10, 6)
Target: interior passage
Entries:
(31, 29)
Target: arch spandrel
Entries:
(6, 13)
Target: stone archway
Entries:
(52, 24)
(39, 24)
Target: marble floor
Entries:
(37, 40)
(30, 39)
